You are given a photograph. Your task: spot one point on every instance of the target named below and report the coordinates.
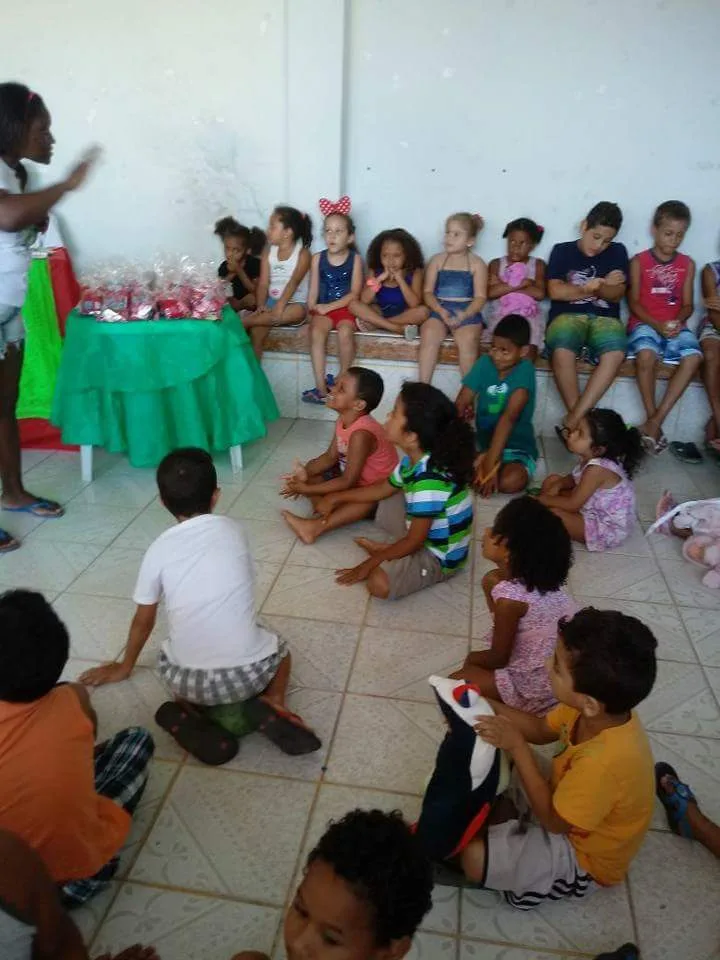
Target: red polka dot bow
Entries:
(342, 205)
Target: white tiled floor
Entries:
(214, 853)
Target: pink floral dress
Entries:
(524, 683)
(516, 301)
(609, 514)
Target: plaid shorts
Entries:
(210, 688)
(121, 773)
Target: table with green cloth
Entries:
(144, 388)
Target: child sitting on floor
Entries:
(68, 799)
(426, 505)
(364, 892)
(596, 502)
(241, 267)
(525, 595)
(217, 653)
(335, 281)
(392, 298)
(503, 383)
(591, 818)
(516, 282)
(455, 292)
(359, 455)
(661, 302)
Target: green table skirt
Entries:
(145, 388)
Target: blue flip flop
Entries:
(313, 396)
(676, 802)
(34, 509)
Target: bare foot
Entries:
(306, 529)
(370, 546)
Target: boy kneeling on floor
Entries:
(70, 801)
(228, 673)
(582, 828)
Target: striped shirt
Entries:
(431, 494)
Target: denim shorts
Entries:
(452, 307)
(586, 335)
(12, 328)
(668, 349)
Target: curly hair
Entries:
(414, 259)
(539, 546)
(440, 431)
(612, 657)
(528, 226)
(34, 646)
(253, 237)
(610, 434)
(377, 855)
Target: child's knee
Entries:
(378, 584)
(513, 478)
(645, 360)
(472, 860)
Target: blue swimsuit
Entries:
(455, 290)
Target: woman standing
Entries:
(24, 135)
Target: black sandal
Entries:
(197, 734)
(285, 729)
(628, 951)
(686, 452)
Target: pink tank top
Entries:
(661, 286)
(381, 462)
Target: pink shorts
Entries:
(336, 317)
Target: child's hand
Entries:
(712, 303)
(322, 309)
(356, 574)
(276, 313)
(499, 732)
(79, 174)
(592, 286)
(490, 486)
(289, 488)
(106, 673)
(671, 329)
(614, 277)
(446, 317)
(299, 471)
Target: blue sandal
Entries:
(8, 543)
(313, 396)
(676, 802)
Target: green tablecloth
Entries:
(145, 388)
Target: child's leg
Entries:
(308, 529)
(284, 728)
(646, 375)
(320, 328)
(564, 368)
(513, 477)
(574, 523)
(711, 376)
(400, 578)
(121, 766)
(468, 345)
(258, 336)
(483, 679)
(370, 316)
(676, 386)
(276, 691)
(432, 334)
(346, 344)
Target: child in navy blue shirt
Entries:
(587, 279)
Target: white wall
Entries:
(506, 107)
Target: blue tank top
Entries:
(454, 284)
(334, 282)
(391, 300)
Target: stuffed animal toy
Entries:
(468, 774)
(697, 523)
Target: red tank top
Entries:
(381, 462)
(661, 286)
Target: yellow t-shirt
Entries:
(604, 787)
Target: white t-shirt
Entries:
(205, 572)
(14, 249)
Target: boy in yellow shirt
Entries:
(592, 816)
